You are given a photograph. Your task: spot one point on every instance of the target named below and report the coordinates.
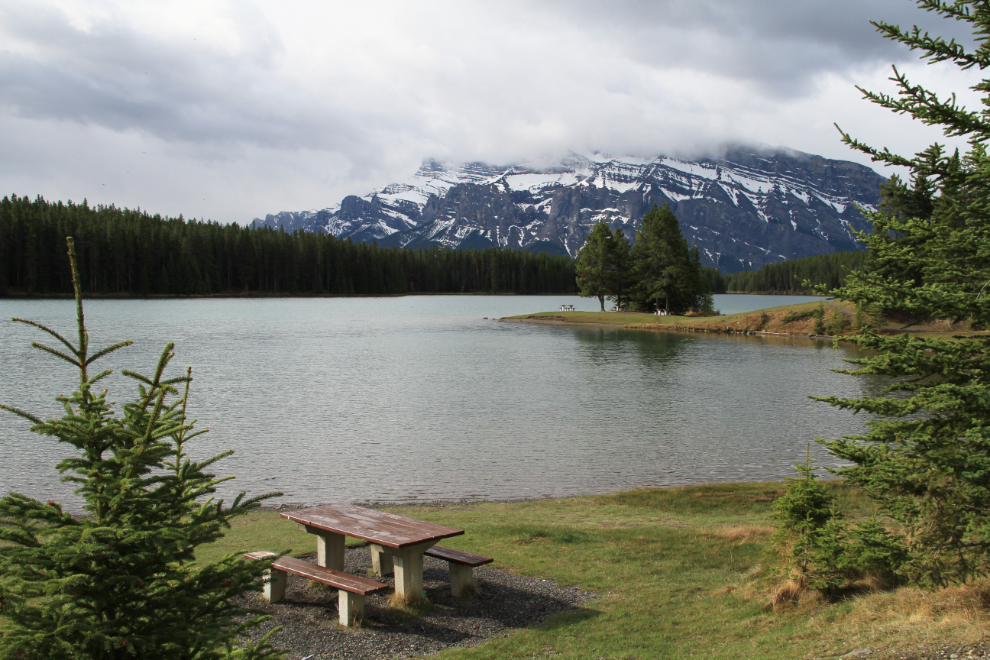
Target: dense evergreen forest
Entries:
(122, 251)
(787, 276)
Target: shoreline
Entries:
(669, 328)
(791, 321)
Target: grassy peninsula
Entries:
(793, 320)
(676, 573)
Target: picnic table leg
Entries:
(381, 560)
(350, 608)
(329, 548)
(462, 581)
(408, 565)
(275, 585)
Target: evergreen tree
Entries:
(595, 264)
(623, 278)
(926, 457)
(702, 300)
(664, 272)
(119, 581)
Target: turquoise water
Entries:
(420, 398)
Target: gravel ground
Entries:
(308, 614)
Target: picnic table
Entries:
(397, 543)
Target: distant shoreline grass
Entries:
(786, 320)
(770, 320)
(677, 572)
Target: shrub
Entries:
(823, 551)
(798, 316)
(836, 322)
(868, 318)
(819, 315)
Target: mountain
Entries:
(744, 209)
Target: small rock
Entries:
(858, 653)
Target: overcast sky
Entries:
(231, 110)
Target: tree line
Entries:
(130, 252)
(828, 270)
(658, 273)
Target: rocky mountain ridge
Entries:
(743, 209)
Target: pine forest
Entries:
(823, 270)
(129, 252)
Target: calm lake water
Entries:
(420, 398)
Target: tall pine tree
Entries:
(926, 456)
(664, 272)
(595, 265)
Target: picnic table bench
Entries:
(461, 566)
(351, 589)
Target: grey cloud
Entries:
(781, 46)
(188, 91)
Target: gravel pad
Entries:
(309, 619)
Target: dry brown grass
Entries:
(913, 615)
(743, 533)
(892, 619)
(790, 592)
(408, 603)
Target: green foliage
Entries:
(798, 316)
(597, 265)
(118, 582)
(124, 251)
(624, 276)
(925, 456)
(797, 276)
(820, 548)
(836, 322)
(666, 274)
(868, 318)
(809, 529)
(819, 315)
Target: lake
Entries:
(420, 398)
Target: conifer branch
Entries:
(59, 354)
(20, 413)
(108, 350)
(45, 328)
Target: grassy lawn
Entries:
(677, 573)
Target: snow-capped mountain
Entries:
(744, 209)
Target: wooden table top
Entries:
(385, 529)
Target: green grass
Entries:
(677, 573)
(638, 318)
